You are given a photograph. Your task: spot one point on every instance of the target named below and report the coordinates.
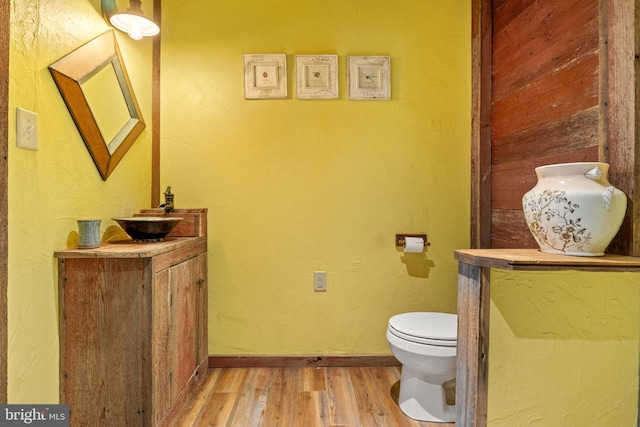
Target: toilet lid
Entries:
(426, 327)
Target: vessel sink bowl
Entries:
(147, 228)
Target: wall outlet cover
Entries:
(320, 281)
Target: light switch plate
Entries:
(27, 129)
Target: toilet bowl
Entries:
(425, 344)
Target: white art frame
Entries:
(265, 76)
(316, 76)
(369, 78)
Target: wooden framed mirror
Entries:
(94, 84)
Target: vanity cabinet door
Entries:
(182, 334)
(160, 350)
(202, 341)
(175, 324)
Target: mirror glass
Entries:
(95, 86)
(107, 104)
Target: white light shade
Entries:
(136, 26)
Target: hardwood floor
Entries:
(299, 397)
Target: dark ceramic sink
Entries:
(147, 228)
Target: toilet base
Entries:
(424, 401)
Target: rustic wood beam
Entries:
(481, 44)
(619, 127)
(155, 109)
(4, 184)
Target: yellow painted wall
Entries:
(295, 186)
(564, 349)
(51, 188)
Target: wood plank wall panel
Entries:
(550, 98)
(619, 108)
(564, 34)
(535, 38)
(512, 179)
(4, 146)
(545, 96)
(508, 231)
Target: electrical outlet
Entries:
(320, 281)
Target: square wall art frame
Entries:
(265, 76)
(369, 77)
(316, 76)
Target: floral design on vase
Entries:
(562, 229)
(573, 209)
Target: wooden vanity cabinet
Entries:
(133, 330)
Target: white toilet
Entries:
(425, 344)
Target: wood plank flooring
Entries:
(299, 397)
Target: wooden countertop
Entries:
(131, 249)
(535, 260)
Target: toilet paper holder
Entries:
(400, 238)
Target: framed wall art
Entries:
(369, 77)
(265, 76)
(316, 76)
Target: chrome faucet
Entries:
(168, 201)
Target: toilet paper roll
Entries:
(413, 244)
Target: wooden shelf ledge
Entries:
(533, 259)
(473, 312)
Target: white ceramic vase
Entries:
(573, 209)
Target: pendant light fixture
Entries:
(133, 22)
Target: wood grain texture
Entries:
(511, 230)
(104, 324)
(251, 407)
(155, 106)
(202, 304)
(565, 84)
(551, 97)
(510, 181)
(565, 31)
(297, 361)
(161, 341)
(620, 106)
(577, 132)
(299, 397)
(129, 331)
(168, 258)
(4, 186)
(533, 259)
(481, 45)
(545, 101)
(131, 249)
(183, 324)
(473, 346)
